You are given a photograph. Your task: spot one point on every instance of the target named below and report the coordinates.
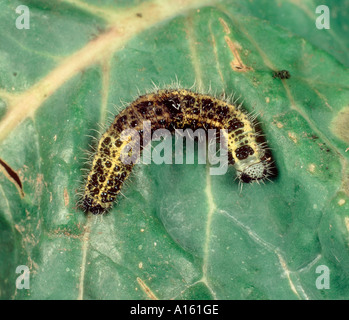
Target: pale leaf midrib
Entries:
(25, 104)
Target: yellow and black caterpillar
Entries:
(173, 109)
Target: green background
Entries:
(178, 233)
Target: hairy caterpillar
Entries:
(173, 109)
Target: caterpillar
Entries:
(173, 109)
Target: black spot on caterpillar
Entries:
(282, 74)
(174, 109)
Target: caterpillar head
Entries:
(254, 172)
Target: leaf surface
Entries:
(178, 232)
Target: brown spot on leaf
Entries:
(66, 197)
(236, 64)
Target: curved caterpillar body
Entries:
(170, 109)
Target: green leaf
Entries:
(178, 232)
